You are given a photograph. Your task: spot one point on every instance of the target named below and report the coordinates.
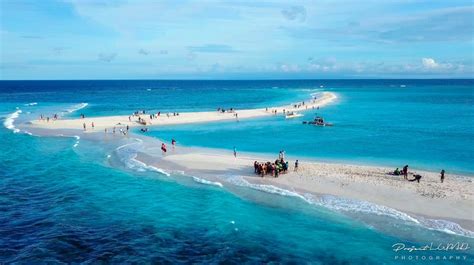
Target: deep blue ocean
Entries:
(61, 203)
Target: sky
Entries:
(183, 39)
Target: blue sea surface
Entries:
(61, 203)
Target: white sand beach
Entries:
(100, 123)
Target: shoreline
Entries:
(110, 122)
(452, 200)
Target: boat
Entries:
(291, 115)
(318, 121)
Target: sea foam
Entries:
(76, 107)
(207, 182)
(344, 205)
(127, 154)
(446, 226)
(8, 123)
(239, 181)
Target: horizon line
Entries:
(257, 79)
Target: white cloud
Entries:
(289, 68)
(429, 63)
(432, 64)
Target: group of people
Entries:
(299, 105)
(280, 166)
(47, 119)
(416, 177)
(222, 110)
(296, 106)
(123, 131)
(158, 114)
(151, 115)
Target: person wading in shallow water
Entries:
(235, 152)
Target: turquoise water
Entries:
(61, 203)
(427, 127)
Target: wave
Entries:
(31, 104)
(446, 226)
(207, 182)
(239, 181)
(128, 156)
(77, 140)
(139, 166)
(344, 205)
(8, 123)
(76, 107)
(349, 205)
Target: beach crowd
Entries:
(280, 166)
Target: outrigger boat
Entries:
(318, 121)
(291, 114)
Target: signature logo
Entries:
(456, 246)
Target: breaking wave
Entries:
(128, 154)
(207, 182)
(76, 107)
(344, 205)
(446, 226)
(10, 119)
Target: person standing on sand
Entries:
(92, 125)
(405, 172)
(296, 165)
(442, 175)
(235, 152)
(84, 126)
